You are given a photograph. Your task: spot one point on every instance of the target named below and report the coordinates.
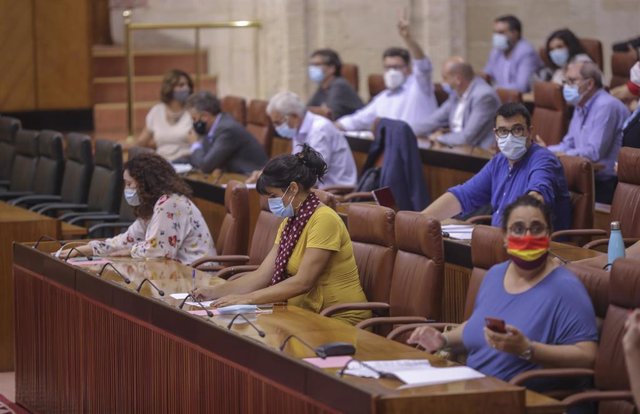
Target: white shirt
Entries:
(176, 230)
(171, 139)
(457, 120)
(318, 132)
(410, 103)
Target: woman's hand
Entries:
(429, 338)
(513, 342)
(74, 251)
(232, 300)
(203, 293)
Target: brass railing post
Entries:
(128, 40)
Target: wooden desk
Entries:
(90, 344)
(19, 225)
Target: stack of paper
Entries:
(412, 372)
(458, 231)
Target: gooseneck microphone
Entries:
(68, 256)
(381, 374)
(48, 238)
(260, 332)
(146, 279)
(181, 305)
(286, 341)
(126, 279)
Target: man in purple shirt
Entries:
(521, 167)
(513, 60)
(595, 131)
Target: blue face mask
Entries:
(447, 88)
(559, 57)
(500, 41)
(513, 148)
(277, 207)
(131, 196)
(285, 131)
(315, 73)
(571, 94)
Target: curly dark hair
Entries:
(155, 178)
(305, 168)
(568, 38)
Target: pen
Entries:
(193, 279)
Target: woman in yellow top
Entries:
(311, 264)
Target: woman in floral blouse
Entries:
(168, 224)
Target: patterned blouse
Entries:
(176, 231)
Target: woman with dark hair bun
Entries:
(168, 224)
(311, 264)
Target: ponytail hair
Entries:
(305, 168)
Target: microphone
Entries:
(381, 374)
(181, 305)
(126, 279)
(286, 340)
(325, 350)
(71, 251)
(260, 332)
(146, 279)
(48, 238)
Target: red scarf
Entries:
(291, 234)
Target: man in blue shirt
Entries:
(522, 167)
(512, 60)
(595, 131)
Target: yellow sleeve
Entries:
(325, 230)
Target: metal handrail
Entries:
(129, 27)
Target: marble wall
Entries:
(360, 30)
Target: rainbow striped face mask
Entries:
(528, 252)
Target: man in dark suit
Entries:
(224, 144)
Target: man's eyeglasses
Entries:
(517, 131)
(572, 82)
(536, 228)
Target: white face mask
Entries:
(393, 78)
(500, 41)
(513, 148)
(634, 73)
(131, 196)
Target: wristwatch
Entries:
(527, 354)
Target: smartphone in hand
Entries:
(496, 325)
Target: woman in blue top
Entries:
(550, 321)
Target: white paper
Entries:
(458, 231)
(366, 134)
(388, 366)
(251, 186)
(206, 304)
(182, 168)
(179, 296)
(431, 376)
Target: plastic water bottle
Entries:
(616, 244)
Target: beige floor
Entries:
(8, 385)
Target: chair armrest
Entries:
(109, 225)
(598, 396)
(43, 208)
(228, 272)
(14, 194)
(73, 214)
(89, 216)
(354, 306)
(390, 320)
(339, 189)
(352, 196)
(221, 259)
(551, 373)
(577, 232)
(481, 219)
(599, 242)
(33, 199)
